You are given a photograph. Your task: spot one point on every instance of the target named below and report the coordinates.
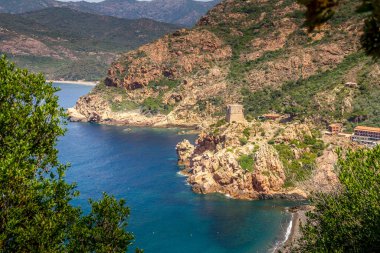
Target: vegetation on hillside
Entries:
(299, 169)
(301, 97)
(35, 210)
(247, 162)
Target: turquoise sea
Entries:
(139, 165)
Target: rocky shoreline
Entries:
(96, 107)
(134, 119)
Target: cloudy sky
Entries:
(94, 1)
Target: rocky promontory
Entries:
(260, 160)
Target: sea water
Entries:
(140, 165)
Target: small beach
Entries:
(73, 82)
(294, 233)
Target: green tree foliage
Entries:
(371, 37)
(319, 11)
(97, 231)
(348, 221)
(35, 210)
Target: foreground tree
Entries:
(349, 220)
(35, 210)
(320, 11)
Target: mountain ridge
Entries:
(183, 12)
(69, 44)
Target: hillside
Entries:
(180, 12)
(252, 52)
(68, 44)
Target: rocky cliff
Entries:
(261, 160)
(253, 52)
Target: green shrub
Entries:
(246, 132)
(155, 106)
(164, 82)
(285, 152)
(249, 118)
(230, 150)
(216, 101)
(297, 170)
(201, 105)
(243, 141)
(246, 162)
(219, 123)
(125, 105)
(278, 132)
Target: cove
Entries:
(140, 165)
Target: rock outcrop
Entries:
(94, 108)
(213, 164)
(275, 160)
(184, 151)
(269, 172)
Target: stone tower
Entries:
(235, 113)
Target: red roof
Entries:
(335, 125)
(367, 129)
(272, 115)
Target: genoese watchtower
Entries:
(235, 113)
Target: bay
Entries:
(140, 165)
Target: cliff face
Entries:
(253, 52)
(165, 74)
(260, 160)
